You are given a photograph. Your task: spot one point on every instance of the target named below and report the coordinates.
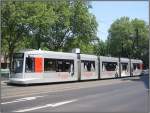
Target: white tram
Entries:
(38, 66)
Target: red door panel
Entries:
(38, 65)
(141, 66)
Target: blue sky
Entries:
(108, 11)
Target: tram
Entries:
(38, 66)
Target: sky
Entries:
(107, 12)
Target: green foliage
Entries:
(119, 37)
(122, 38)
(51, 25)
(62, 25)
(59, 31)
(13, 27)
(83, 27)
(40, 17)
(100, 48)
(142, 50)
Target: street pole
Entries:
(137, 38)
(120, 55)
(108, 44)
(119, 66)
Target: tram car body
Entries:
(136, 67)
(38, 66)
(125, 67)
(43, 67)
(89, 67)
(109, 67)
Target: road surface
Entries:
(112, 95)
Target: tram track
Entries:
(13, 91)
(125, 94)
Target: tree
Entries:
(20, 18)
(52, 25)
(141, 40)
(100, 48)
(83, 26)
(124, 35)
(40, 17)
(59, 31)
(13, 27)
(119, 41)
(74, 26)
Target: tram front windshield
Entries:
(17, 63)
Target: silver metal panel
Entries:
(136, 61)
(127, 72)
(16, 75)
(88, 75)
(51, 54)
(88, 57)
(137, 71)
(109, 59)
(108, 74)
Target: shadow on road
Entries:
(142, 78)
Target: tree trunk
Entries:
(38, 43)
(10, 60)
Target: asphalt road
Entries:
(115, 95)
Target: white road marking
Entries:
(61, 103)
(47, 105)
(22, 99)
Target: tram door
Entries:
(137, 69)
(34, 64)
(38, 64)
(125, 69)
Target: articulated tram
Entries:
(38, 66)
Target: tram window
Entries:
(17, 65)
(109, 66)
(65, 66)
(29, 67)
(88, 65)
(59, 66)
(124, 66)
(49, 64)
(136, 66)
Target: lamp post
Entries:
(120, 55)
(131, 53)
(134, 39)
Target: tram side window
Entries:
(59, 67)
(124, 66)
(29, 67)
(109, 66)
(136, 66)
(65, 66)
(49, 64)
(68, 66)
(88, 65)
